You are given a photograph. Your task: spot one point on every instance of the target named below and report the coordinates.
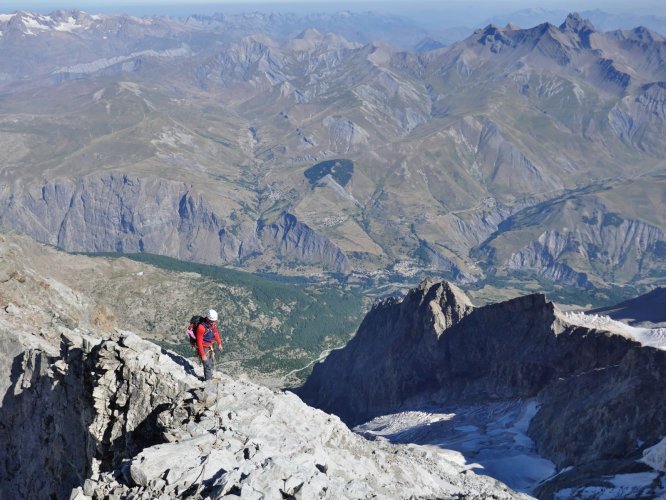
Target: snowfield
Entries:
(647, 337)
(655, 456)
(492, 438)
(636, 485)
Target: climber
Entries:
(207, 335)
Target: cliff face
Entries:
(622, 247)
(77, 411)
(120, 416)
(294, 240)
(120, 213)
(598, 391)
(393, 355)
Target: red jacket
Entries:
(201, 331)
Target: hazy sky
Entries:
(155, 5)
(453, 12)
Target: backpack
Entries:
(195, 321)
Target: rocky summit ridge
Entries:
(119, 417)
(597, 390)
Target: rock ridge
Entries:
(597, 390)
(132, 420)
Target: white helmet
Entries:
(212, 315)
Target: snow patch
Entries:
(4, 18)
(638, 485)
(67, 25)
(491, 437)
(647, 337)
(655, 456)
(35, 23)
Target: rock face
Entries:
(83, 402)
(599, 392)
(393, 355)
(294, 240)
(121, 416)
(121, 213)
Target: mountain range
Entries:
(513, 156)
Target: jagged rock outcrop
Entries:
(121, 417)
(599, 392)
(77, 410)
(393, 356)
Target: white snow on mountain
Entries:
(68, 25)
(37, 22)
(637, 485)
(655, 456)
(490, 438)
(648, 337)
(33, 23)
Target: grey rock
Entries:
(621, 247)
(89, 487)
(12, 309)
(370, 376)
(635, 119)
(117, 212)
(295, 240)
(115, 410)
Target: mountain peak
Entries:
(576, 23)
(310, 34)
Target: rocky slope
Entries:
(598, 389)
(118, 416)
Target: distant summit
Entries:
(574, 22)
(428, 44)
